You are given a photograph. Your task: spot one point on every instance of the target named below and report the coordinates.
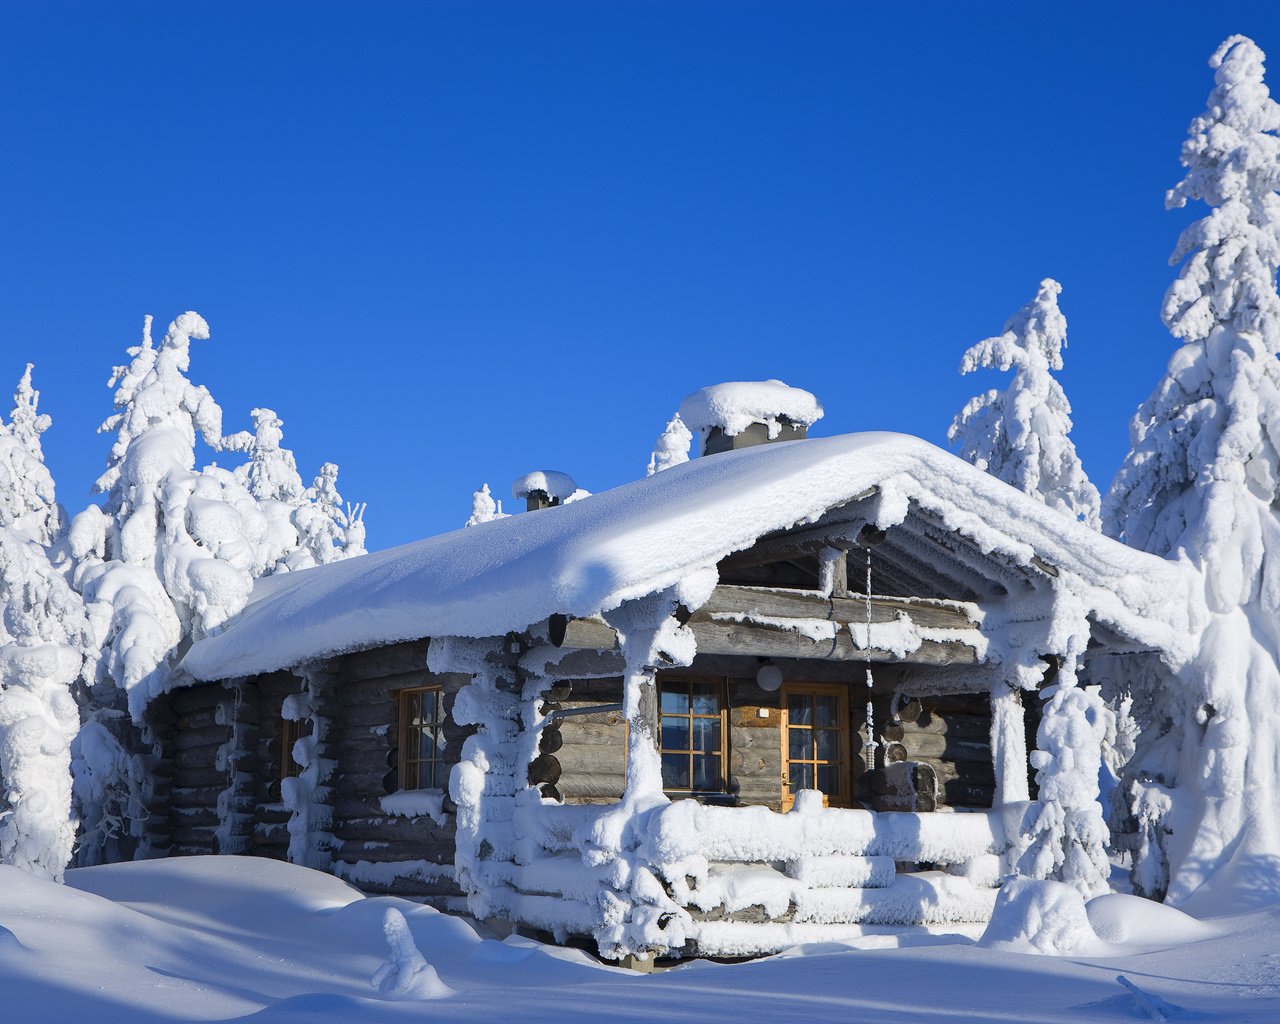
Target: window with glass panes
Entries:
(421, 741)
(816, 741)
(692, 736)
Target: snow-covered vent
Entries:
(741, 414)
(544, 488)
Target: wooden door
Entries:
(815, 742)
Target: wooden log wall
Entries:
(271, 817)
(190, 756)
(755, 743)
(952, 735)
(593, 747)
(362, 710)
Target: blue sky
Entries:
(453, 242)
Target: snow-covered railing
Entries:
(747, 834)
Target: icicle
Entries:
(869, 747)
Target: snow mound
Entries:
(551, 483)
(736, 405)
(1132, 920)
(1040, 917)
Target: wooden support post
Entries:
(1009, 746)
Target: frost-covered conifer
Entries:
(169, 556)
(672, 446)
(327, 532)
(1201, 483)
(43, 639)
(27, 503)
(1021, 435)
(484, 508)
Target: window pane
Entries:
(706, 734)
(675, 734)
(706, 699)
(827, 710)
(675, 699)
(675, 771)
(801, 777)
(800, 709)
(706, 773)
(828, 745)
(800, 745)
(829, 779)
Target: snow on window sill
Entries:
(416, 803)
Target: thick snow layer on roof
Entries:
(736, 405)
(548, 481)
(590, 556)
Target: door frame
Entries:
(841, 692)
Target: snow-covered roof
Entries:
(590, 556)
(736, 405)
(548, 481)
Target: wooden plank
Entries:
(769, 641)
(781, 604)
(386, 660)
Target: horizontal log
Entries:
(197, 719)
(771, 641)
(364, 715)
(193, 698)
(591, 787)
(591, 760)
(392, 659)
(591, 634)
(971, 773)
(431, 837)
(960, 727)
(784, 604)
(944, 747)
(196, 757)
(199, 777)
(201, 736)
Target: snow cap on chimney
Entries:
(543, 488)
(739, 414)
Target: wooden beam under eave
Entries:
(781, 604)
(773, 641)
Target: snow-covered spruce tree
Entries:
(1021, 435)
(326, 531)
(672, 446)
(484, 508)
(43, 639)
(168, 557)
(1201, 484)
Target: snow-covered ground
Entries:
(229, 938)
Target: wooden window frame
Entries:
(722, 696)
(841, 692)
(291, 730)
(409, 773)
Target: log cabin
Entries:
(783, 692)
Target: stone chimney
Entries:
(544, 488)
(741, 414)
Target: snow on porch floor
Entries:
(226, 938)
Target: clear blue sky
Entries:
(453, 242)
